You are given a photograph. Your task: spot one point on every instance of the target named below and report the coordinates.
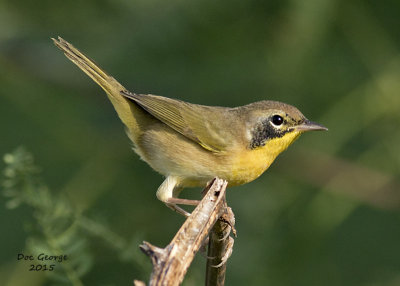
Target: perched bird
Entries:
(190, 144)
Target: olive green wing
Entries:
(206, 125)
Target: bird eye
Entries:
(277, 120)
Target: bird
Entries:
(190, 144)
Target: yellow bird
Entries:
(190, 144)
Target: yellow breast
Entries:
(251, 163)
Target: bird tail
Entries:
(129, 112)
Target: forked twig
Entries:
(170, 264)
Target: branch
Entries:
(171, 263)
(220, 248)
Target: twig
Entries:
(220, 248)
(171, 263)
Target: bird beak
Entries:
(308, 125)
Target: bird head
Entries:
(276, 122)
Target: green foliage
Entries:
(58, 228)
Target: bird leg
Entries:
(168, 192)
(187, 202)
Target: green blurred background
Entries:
(325, 213)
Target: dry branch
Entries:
(171, 263)
(220, 248)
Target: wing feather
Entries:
(205, 125)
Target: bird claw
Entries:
(228, 253)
